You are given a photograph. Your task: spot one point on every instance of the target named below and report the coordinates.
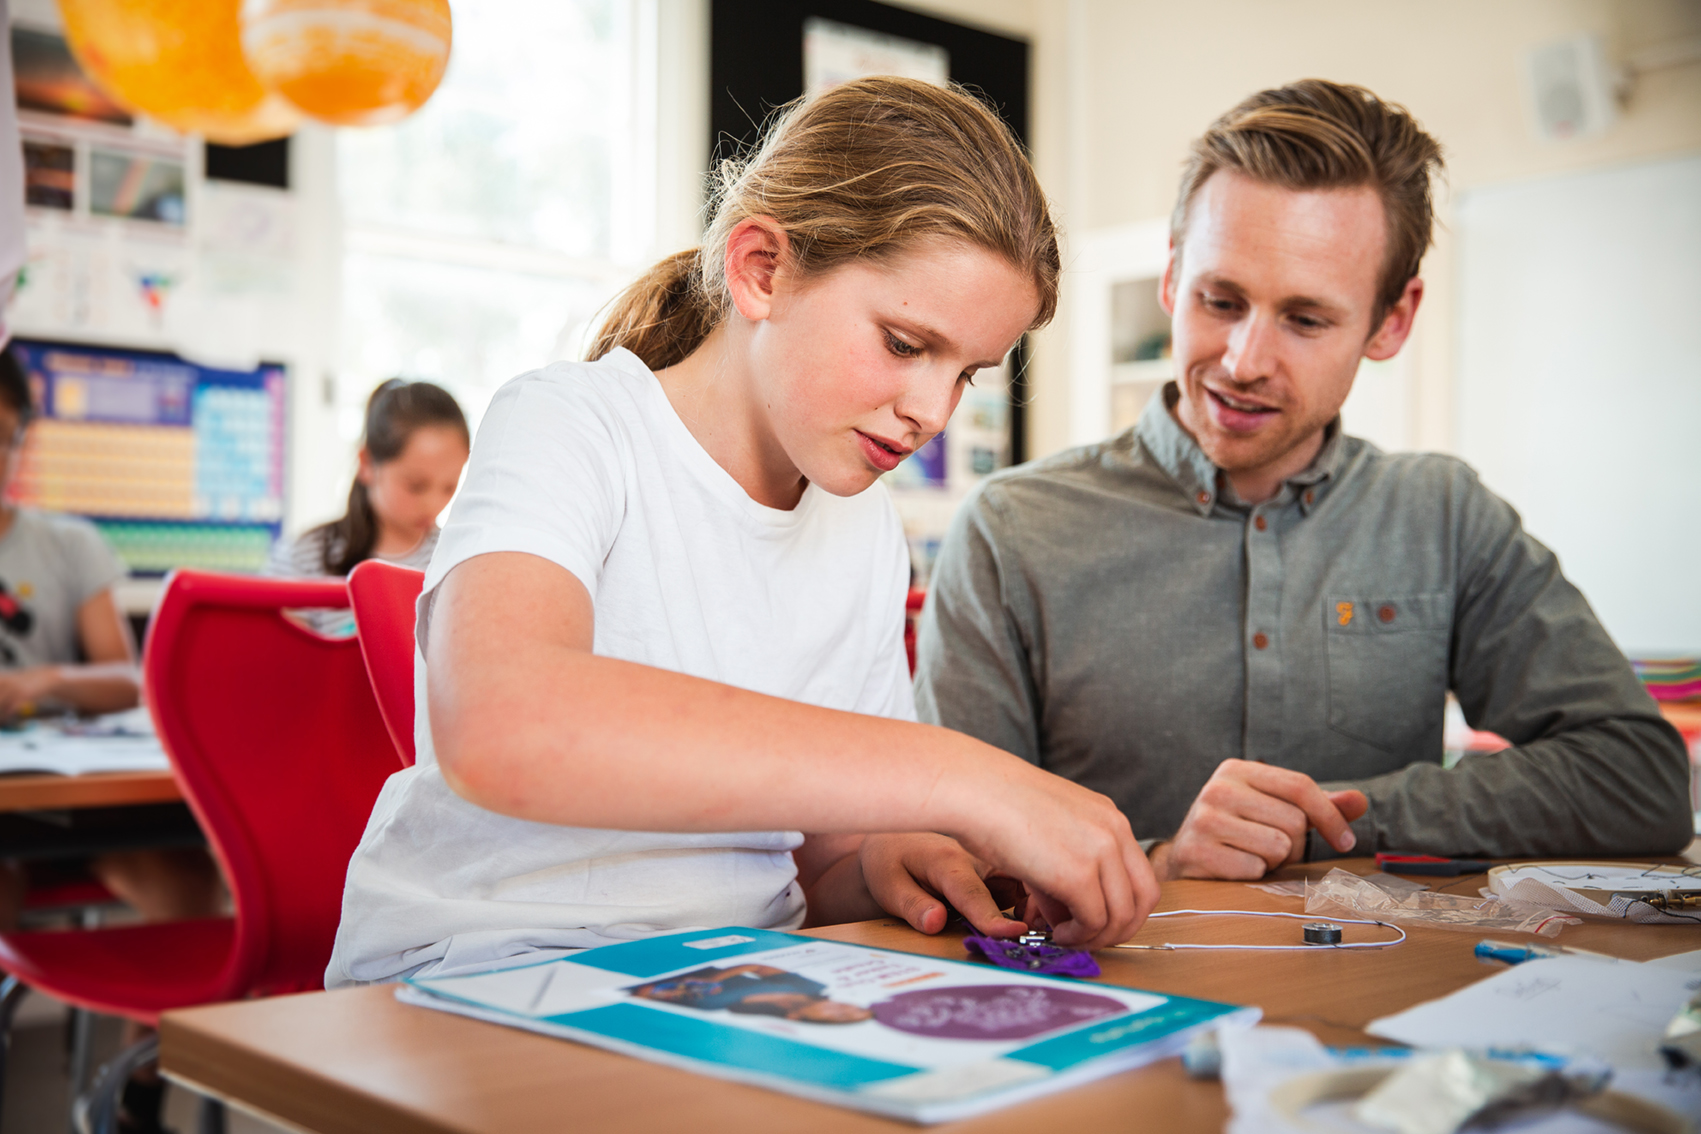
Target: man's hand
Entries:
(1251, 818)
(914, 876)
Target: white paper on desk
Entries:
(1689, 962)
(1258, 1060)
(118, 742)
(1565, 1005)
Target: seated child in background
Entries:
(662, 633)
(66, 646)
(411, 455)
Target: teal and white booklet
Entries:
(907, 1036)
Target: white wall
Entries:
(1579, 393)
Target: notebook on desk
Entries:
(116, 742)
(911, 1037)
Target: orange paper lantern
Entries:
(178, 61)
(349, 62)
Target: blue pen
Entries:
(1514, 954)
(1511, 954)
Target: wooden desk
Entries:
(358, 1062)
(96, 789)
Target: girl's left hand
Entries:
(921, 876)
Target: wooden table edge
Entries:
(251, 1083)
(47, 791)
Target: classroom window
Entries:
(482, 234)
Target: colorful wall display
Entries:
(178, 464)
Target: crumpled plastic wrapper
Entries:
(1536, 892)
(1441, 1092)
(1348, 895)
(1295, 887)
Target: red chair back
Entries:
(384, 596)
(913, 602)
(275, 736)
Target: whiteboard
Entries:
(1579, 382)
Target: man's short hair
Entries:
(1315, 134)
(15, 386)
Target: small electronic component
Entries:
(1665, 901)
(1034, 952)
(1322, 933)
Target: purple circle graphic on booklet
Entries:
(992, 1011)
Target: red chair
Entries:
(913, 602)
(383, 596)
(276, 740)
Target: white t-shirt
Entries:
(588, 466)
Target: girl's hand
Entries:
(916, 876)
(22, 689)
(1070, 846)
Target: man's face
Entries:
(1272, 299)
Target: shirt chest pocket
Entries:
(1387, 658)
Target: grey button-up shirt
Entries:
(1118, 616)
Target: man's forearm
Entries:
(1618, 786)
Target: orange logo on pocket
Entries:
(1344, 611)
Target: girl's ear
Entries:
(754, 251)
(363, 472)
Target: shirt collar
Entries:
(1173, 449)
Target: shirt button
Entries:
(1386, 614)
(1311, 497)
(1260, 523)
(1204, 497)
(1260, 640)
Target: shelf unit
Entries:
(1116, 326)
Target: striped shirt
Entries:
(304, 557)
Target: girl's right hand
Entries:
(1070, 846)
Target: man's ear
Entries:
(1166, 284)
(1397, 324)
(755, 250)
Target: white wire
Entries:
(1272, 913)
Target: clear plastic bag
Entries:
(1349, 895)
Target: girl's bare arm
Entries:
(528, 722)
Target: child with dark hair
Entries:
(411, 455)
(65, 645)
(64, 642)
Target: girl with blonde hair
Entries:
(661, 635)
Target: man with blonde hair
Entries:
(1241, 623)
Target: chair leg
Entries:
(82, 1020)
(211, 1116)
(82, 1043)
(96, 1112)
(12, 992)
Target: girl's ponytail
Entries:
(866, 170)
(350, 540)
(662, 317)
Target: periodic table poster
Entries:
(179, 465)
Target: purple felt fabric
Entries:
(1051, 960)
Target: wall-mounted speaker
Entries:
(1573, 88)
